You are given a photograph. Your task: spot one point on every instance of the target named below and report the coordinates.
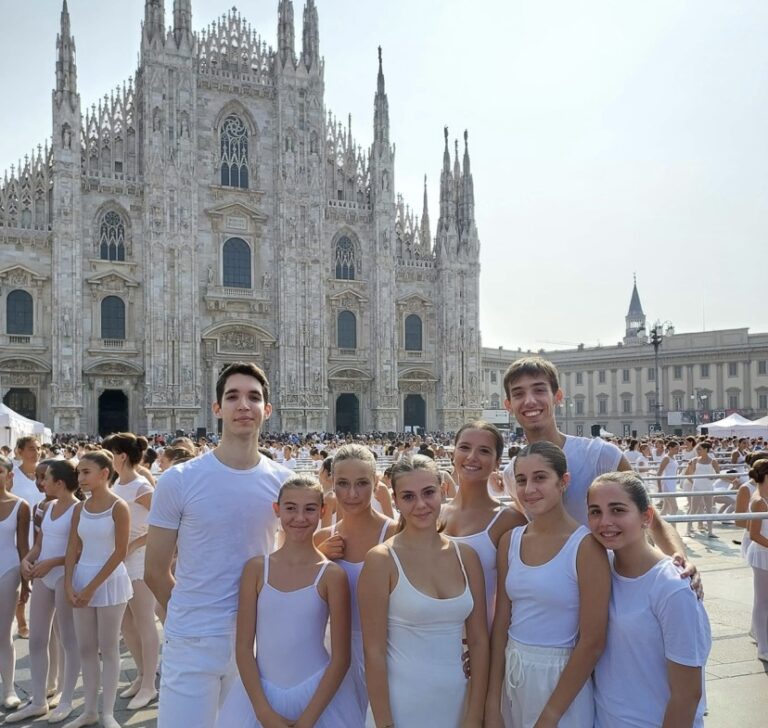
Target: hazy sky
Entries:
(606, 137)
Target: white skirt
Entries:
(757, 556)
(116, 589)
(530, 677)
(343, 710)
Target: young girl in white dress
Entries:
(14, 543)
(138, 628)
(418, 593)
(286, 599)
(551, 606)
(757, 556)
(652, 670)
(359, 529)
(97, 584)
(702, 464)
(45, 565)
(473, 517)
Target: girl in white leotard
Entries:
(138, 628)
(668, 470)
(474, 517)
(347, 542)
(757, 556)
(97, 584)
(14, 544)
(702, 464)
(45, 564)
(286, 599)
(418, 593)
(551, 606)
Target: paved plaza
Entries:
(737, 682)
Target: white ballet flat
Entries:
(61, 713)
(133, 688)
(12, 702)
(28, 711)
(142, 700)
(83, 720)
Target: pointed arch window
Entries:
(113, 318)
(413, 333)
(112, 236)
(237, 263)
(234, 152)
(346, 330)
(346, 260)
(19, 314)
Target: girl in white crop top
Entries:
(652, 670)
(97, 584)
(14, 544)
(285, 603)
(45, 565)
(419, 592)
(138, 628)
(551, 606)
(359, 529)
(473, 517)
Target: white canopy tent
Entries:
(13, 426)
(761, 426)
(734, 426)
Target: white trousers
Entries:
(530, 678)
(196, 676)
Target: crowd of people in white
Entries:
(367, 581)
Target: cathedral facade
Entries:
(211, 210)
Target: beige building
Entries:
(701, 377)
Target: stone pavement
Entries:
(737, 682)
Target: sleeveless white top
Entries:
(287, 657)
(55, 538)
(485, 549)
(757, 554)
(129, 492)
(424, 653)
(9, 555)
(704, 469)
(545, 598)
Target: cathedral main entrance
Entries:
(22, 401)
(414, 412)
(348, 413)
(113, 412)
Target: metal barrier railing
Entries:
(704, 517)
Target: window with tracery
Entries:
(236, 258)
(346, 263)
(112, 237)
(113, 318)
(19, 312)
(234, 153)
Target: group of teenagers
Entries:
(573, 607)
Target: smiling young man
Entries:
(532, 393)
(216, 510)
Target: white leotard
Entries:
(55, 538)
(9, 555)
(757, 554)
(130, 492)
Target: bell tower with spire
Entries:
(635, 318)
(67, 253)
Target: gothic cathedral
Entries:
(212, 210)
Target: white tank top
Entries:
(352, 570)
(97, 532)
(9, 555)
(545, 598)
(486, 551)
(129, 492)
(55, 538)
(288, 657)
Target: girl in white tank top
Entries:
(14, 544)
(757, 556)
(353, 471)
(97, 584)
(45, 565)
(548, 569)
(285, 603)
(419, 592)
(473, 517)
(703, 464)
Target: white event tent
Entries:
(735, 426)
(13, 426)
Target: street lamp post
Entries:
(698, 399)
(656, 335)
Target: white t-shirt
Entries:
(224, 517)
(651, 619)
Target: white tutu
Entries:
(116, 589)
(341, 712)
(757, 556)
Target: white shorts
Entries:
(197, 674)
(530, 677)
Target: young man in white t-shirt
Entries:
(532, 393)
(216, 510)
